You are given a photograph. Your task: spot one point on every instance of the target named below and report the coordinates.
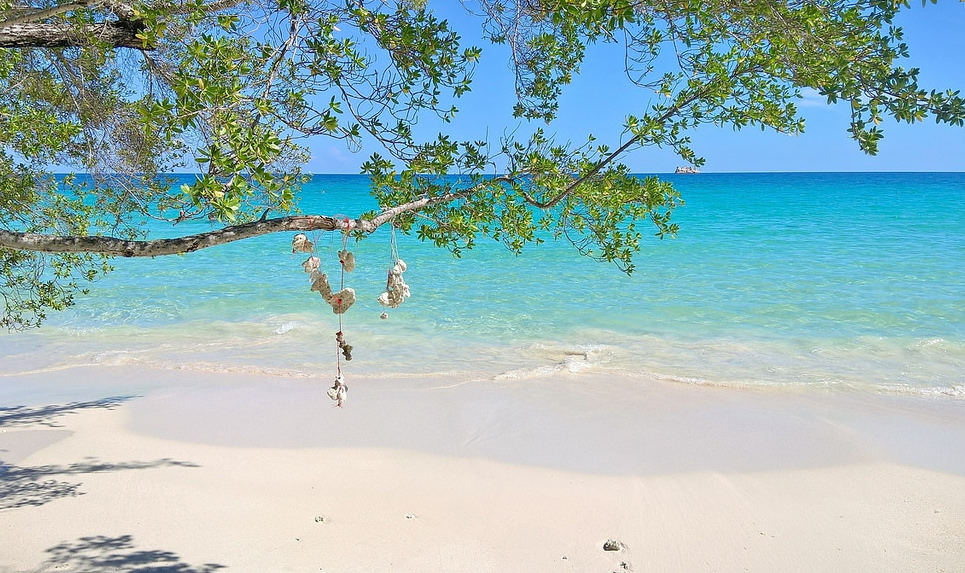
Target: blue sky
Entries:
(600, 98)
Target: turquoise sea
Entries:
(801, 281)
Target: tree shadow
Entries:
(47, 415)
(35, 486)
(101, 553)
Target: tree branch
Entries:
(158, 247)
(180, 245)
(27, 15)
(606, 160)
(426, 201)
(25, 29)
(32, 35)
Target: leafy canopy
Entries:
(235, 90)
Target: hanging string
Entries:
(393, 257)
(341, 286)
(396, 290)
(393, 245)
(340, 301)
(339, 391)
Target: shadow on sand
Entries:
(100, 553)
(47, 415)
(34, 486)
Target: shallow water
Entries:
(850, 281)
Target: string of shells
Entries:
(395, 293)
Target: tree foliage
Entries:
(235, 90)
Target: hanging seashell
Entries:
(321, 286)
(311, 264)
(342, 300)
(301, 243)
(346, 347)
(347, 259)
(384, 315)
(396, 290)
(339, 391)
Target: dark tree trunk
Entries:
(39, 35)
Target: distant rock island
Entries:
(687, 169)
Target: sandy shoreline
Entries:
(199, 472)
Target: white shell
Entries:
(301, 243)
(342, 300)
(396, 290)
(321, 286)
(348, 260)
(311, 264)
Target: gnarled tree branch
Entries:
(28, 15)
(175, 246)
(26, 28)
(180, 245)
(118, 34)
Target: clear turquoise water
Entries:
(800, 281)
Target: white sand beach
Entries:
(205, 472)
